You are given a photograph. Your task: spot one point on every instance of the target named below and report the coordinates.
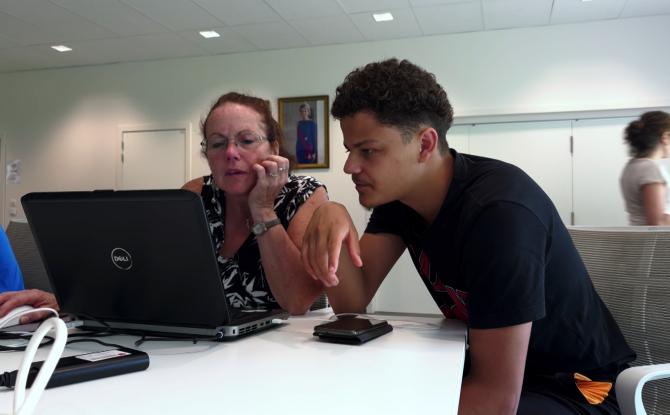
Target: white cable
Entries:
(25, 404)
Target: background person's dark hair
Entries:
(272, 130)
(644, 134)
(400, 94)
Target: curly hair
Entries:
(272, 130)
(644, 134)
(400, 94)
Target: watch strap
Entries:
(261, 227)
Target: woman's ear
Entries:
(275, 147)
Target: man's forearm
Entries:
(478, 398)
(351, 294)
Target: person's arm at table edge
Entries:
(357, 286)
(497, 364)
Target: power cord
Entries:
(24, 404)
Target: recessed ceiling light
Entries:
(208, 34)
(382, 17)
(61, 48)
(584, 1)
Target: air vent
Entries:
(246, 330)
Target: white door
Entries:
(599, 156)
(541, 149)
(153, 159)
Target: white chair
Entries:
(28, 257)
(630, 268)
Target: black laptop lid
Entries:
(132, 256)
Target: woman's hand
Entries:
(271, 176)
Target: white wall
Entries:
(64, 123)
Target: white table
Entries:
(415, 369)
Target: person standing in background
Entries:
(644, 180)
(10, 274)
(305, 144)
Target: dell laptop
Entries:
(137, 262)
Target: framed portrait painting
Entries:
(304, 122)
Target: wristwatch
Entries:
(260, 228)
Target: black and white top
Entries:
(243, 276)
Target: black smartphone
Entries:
(352, 330)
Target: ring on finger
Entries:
(273, 174)
(281, 169)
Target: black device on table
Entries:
(352, 330)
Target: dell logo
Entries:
(122, 259)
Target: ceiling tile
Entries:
(569, 11)
(21, 32)
(278, 35)
(300, 9)
(635, 8)
(134, 48)
(502, 14)
(25, 58)
(452, 18)
(57, 23)
(229, 42)
(424, 3)
(6, 42)
(359, 6)
(164, 46)
(340, 30)
(239, 12)
(176, 15)
(403, 25)
(113, 15)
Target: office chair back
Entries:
(28, 257)
(630, 269)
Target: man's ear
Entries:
(428, 142)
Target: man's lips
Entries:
(361, 184)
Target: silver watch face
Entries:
(262, 227)
(259, 228)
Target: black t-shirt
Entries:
(498, 255)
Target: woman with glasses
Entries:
(257, 212)
(256, 209)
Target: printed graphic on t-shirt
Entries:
(451, 301)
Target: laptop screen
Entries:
(129, 256)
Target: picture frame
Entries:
(304, 123)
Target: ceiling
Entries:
(107, 31)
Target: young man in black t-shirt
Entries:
(488, 244)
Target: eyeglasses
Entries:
(244, 140)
